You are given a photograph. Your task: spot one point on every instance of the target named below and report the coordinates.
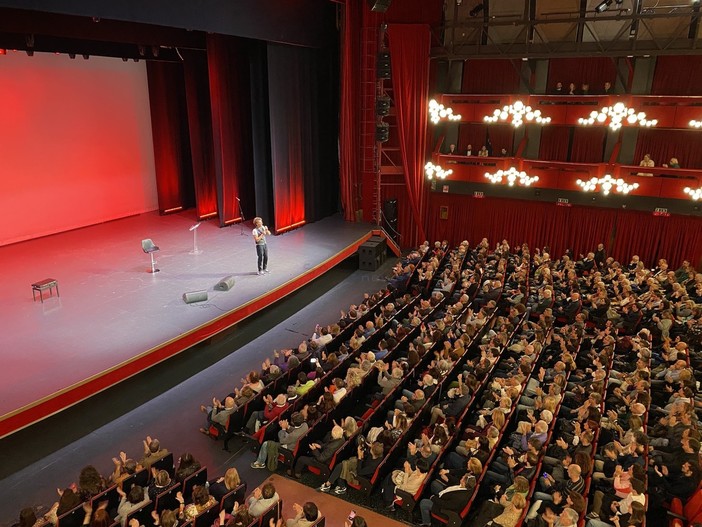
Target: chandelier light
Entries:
(606, 184)
(518, 113)
(615, 116)
(512, 176)
(696, 124)
(435, 171)
(695, 193)
(438, 111)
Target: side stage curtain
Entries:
(170, 135)
(231, 123)
(200, 123)
(664, 144)
(588, 144)
(594, 71)
(409, 48)
(490, 76)
(349, 170)
(677, 75)
(554, 143)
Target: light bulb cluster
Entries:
(435, 171)
(519, 113)
(615, 116)
(512, 176)
(694, 193)
(438, 111)
(607, 184)
(696, 124)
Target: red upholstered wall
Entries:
(75, 143)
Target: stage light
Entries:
(695, 124)
(695, 194)
(432, 171)
(603, 6)
(519, 112)
(615, 116)
(438, 111)
(477, 10)
(512, 176)
(606, 184)
(3, 51)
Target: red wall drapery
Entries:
(588, 144)
(476, 135)
(677, 75)
(554, 143)
(490, 76)
(664, 144)
(540, 224)
(594, 71)
(409, 48)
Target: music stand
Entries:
(241, 223)
(193, 229)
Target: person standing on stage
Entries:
(259, 234)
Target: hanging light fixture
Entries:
(511, 176)
(438, 111)
(694, 193)
(696, 124)
(435, 171)
(606, 184)
(615, 116)
(519, 113)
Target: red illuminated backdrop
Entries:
(75, 143)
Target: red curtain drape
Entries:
(409, 48)
(226, 67)
(200, 124)
(588, 144)
(664, 144)
(554, 143)
(624, 233)
(171, 154)
(477, 135)
(677, 75)
(350, 103)
(490, 76)
(594, 71)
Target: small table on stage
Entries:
(43, 285)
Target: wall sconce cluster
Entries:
(694, 193)
(512, 176)
(435, 171)
(519, 113)
(438, 111)
(615, 116)
(606, 184)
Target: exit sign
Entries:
(478, 195)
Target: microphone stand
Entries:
(241, 224)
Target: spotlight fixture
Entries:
(435, 171)
(3, 51)
(438, 111)
(512, 176)
(606, 184)
(615, 116)
(479, 8)
(519, 113)
(694, 193)
(603, 6)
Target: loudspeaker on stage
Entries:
(194, 296)
(225, 284)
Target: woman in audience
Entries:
(90, 483)
(160, 482)
(221, 486)
(201, 501)
(187, 466)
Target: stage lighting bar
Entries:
(435, 171)
(438, 111)
(512, 176)
(606, 184)
(615, 116)
(519, 113)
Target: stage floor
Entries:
(112, 313)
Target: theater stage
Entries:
(113, 319)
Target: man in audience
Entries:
(152, 453)
(288, 436)
(261, 499)
(305, 515)
(453, 498)
(218, 414)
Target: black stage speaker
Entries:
(225, 284)
(371, 255)
(383, 69)
(382, 105)
(379, 6)
(382, 131)
(194, 296)
(390, 217)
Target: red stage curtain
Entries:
(588, 144)
(554, 143)
(594, 71)
(624, 233)
(664, 144)
(171, 155)
(200, 123)
(500, 136)
(490, 76)
(409, 48)
(349, 171)
(677, 75)
(232, 157)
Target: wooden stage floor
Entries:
(114, 319)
